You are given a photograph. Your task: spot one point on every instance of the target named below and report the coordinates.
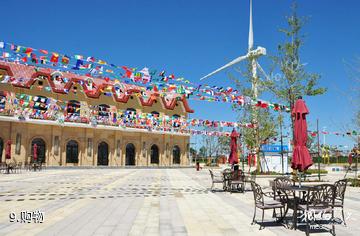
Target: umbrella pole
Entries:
(299, 176)
(347, 171)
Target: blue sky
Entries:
(191, 38)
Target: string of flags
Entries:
(26, 107)
(150, 78)
(347, 133)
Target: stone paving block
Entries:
(139, 202)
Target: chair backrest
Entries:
(283, 182)
(237, 175)
(211, 174)
(253, 177)
(258, 193)
(280, 184)
(340, 188)
(320, 196)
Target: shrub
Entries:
(315, 171)
(354, 182)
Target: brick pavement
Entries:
(137, 202)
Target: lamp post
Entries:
(318, 146)
(281, 145)
(324, 137)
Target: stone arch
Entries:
(130, 154)
(30, 150)
(103, 154)
(176, 154)
(154, 154)
(41, 149)
(72, 147)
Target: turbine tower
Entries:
(252, 55)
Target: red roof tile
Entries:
(25, 76)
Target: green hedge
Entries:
(255, 172)
(315, 171)
(354, 182)
(341, 159)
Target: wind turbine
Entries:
(252, 55)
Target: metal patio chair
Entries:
(263, 203)
(319, 200)
(340, 188)
(215, 179)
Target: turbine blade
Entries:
(235, 61)
(262, 71)
(251, 33)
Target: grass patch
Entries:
(354, 182)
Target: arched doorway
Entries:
(103, 154)
(154, 154)
(41, 149)
(72, 152)
(176, 155)
(1, 148)
(130, 155)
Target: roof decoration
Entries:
(149, 79)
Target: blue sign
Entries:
(274, 148)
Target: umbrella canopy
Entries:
(233, 157)
(301, 157)
(350, 159)
(8, 150)
(35, 152)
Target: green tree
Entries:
(202, 152)
(295, 80)
(262, 118)
(353, 96)
(224, 145)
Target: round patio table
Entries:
(299, 191)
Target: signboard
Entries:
(272, 162)
(274, 148)
(271, 159)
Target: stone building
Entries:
(88, 133)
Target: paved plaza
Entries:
(138, 202)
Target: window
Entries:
(155, 118)
(155, 113)
(18, 144)
(56, 145)
(72, 152)
(104, 111)
(144, 149)
(119, 89)
(2, 101)
(130, 115)
(40, 107)
(176, 121)
(57, 78)
(118, 148)
(73, 108)
(89, 147)
(188, 151)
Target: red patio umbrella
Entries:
(301, 157)
(35, 152)
(8, 149)
(233, 157)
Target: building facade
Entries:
(77, 120)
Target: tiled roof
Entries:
(25, 76)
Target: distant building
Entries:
(85, 121)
